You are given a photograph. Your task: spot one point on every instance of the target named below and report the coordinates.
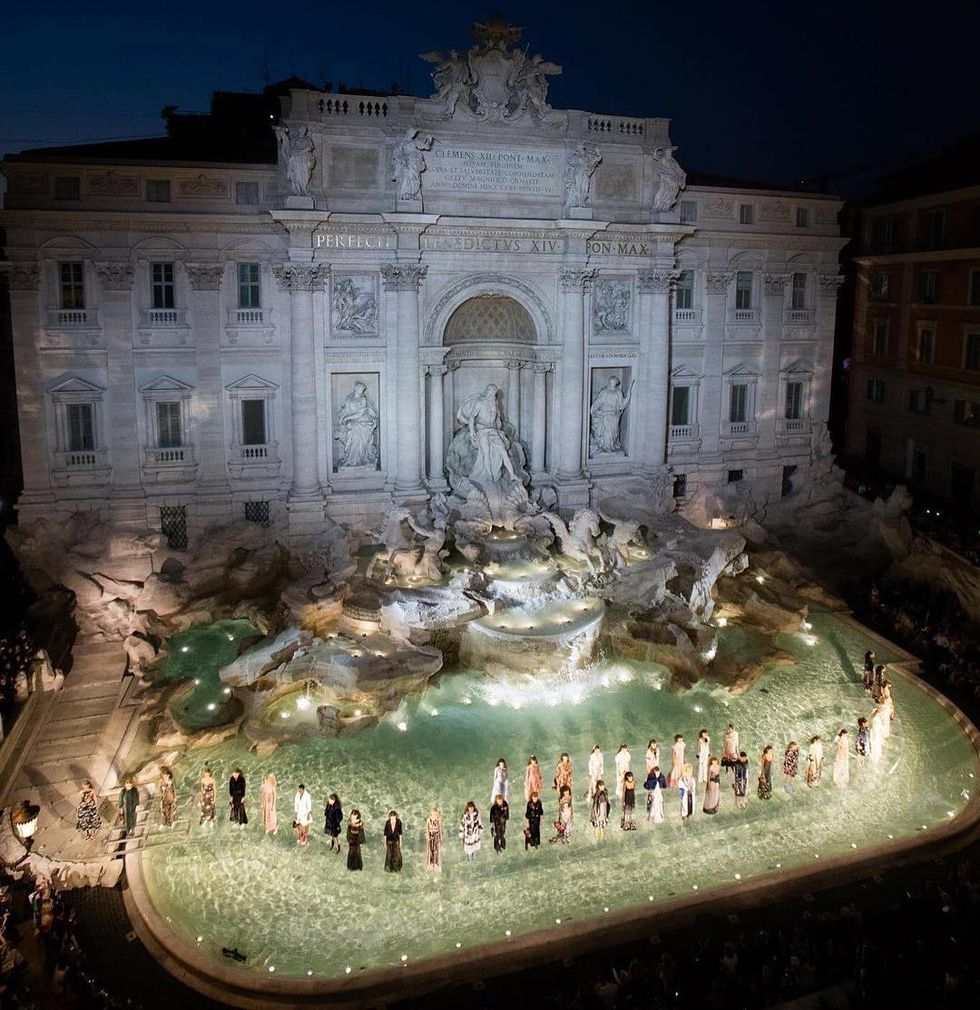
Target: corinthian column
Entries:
(539, 421)
(574, 284)
(513, 411)
(437, 478)
(653, 368)
(404, 281)
(301, 280)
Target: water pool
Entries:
(299, 911)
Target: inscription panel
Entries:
(453, 169)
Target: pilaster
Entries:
(653, 367)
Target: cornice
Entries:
(110, 220)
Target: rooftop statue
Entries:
(297, 158)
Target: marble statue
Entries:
(623, 543)
(578, 538)
(607, 413)
(355, 427)
(481, 415)
(451, 77)
(297, 158)
(579, 169)
(408, 164)
(429, 565)
(671, 178)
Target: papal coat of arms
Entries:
(494, 81)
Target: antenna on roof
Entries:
(265, 65)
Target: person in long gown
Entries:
(168, 798)
(685, 790)
(208, 798)
(501, 783)
(599, 816)
(563, 774)
(532, 778)
(627, 820)
(712, 794)
(814, 762)
(791, 767)
(655, 785)
(765, 773)
(624, 761)
(563, 825)
(129, 799)
(433, 840)
(676, 762)
(596, 770)
(879, 679)
(499, 815)
(471, 831)
(868, 678)
(652, 759)
(236, 794)
(887, 707)
(302, 814)
(393, 842)
(729, 748)
(87, 817)
(533, 814)
(268, 797)
(333, 819)
(842, 760)
(741, 784)
(704, 753)
(355, 839)
(862, 741)
(876, 737)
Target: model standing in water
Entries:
(628, 819)
(704, 752)
(729, 748)
(600, 810)
(168, 797)
(333, 820)
(393, 842)
(868, 678)
(676, 762)
(686, 791)
(624, 761)
(236, 794)
(355, 839)
(501, 784)
(563, 774)
(532, 778)
(741, 783)
(861, 743)
(533, 814)
(652, 756)
(765, 773)
(499, 815)
(208, 787)
(596, 770)
(471, 831)
(655, 785)
(268, 797)
(842, 758)
(791, 767)
(712, 795)
(814, 762)
(433, 840)
(302, 814)
(563, 826)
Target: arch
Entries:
(64, 243)
(155, 243)
(747, 259)
(490, 317)
(236, 247)
(488, 284)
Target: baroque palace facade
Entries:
(289, 337)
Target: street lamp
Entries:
(23, 822)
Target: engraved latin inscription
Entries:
(481, 170)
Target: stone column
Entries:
(404, 281)
(828, 286)
(210, 443)
(539, 422)
(767, 392)
(653, 368)
(513, 411)
(574, 283)
(437, 428)
(712, 408)
(301, 280)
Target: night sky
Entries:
(772, 91)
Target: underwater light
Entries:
(348, 970)
(284, 715)
(197, 681)
(231, 638)
(605, 908)
(738, 876)
(211, 706)
(200, 939)
(434, 712)
(357, 713)
(722, 622)
(227, 690)
(458, 945)
(303, 704)
(557, 922)
(272, 967)
(694, 887)
(467, 701)
(185, 648)
(506, 932)
(698, 709)
(404, 957)
(760, 579)
(309, 971)
(403, 726)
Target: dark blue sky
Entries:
(769, 90)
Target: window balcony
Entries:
(82, 459)
(737, 429)
(254, 460)
(683, 432)
(73, 319)
(177, 456)
(800, 316)
(791, 425)
(163, 318)
(247, 317)
(685, 315)
(81, 466)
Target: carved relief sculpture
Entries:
(408, 164)
(579, 169)
(297, 158)
(606, 413)
(671, 178)
(611, 307)
(355, 429)
(355, 305)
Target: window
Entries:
(247, 193)
(71, 276)
(158, 191)
(745, 213)
(882, 334)
(680, 485)
(883, 232)
(738, 403)
(685, 290)
(173, 525)
(794, 401)
(734, 476)
(971, 351)
(787, 483)
(802, 217)
(926, 346)
(935, 222)
(680, 406)
(879, 286)
(689, 211)
(799, 291)
(928, 286)
(162, 285)
(253, 422)
(249, 292)
(169, 435)
(743, 289)
(257, 512)
(81, 427)
(974, 293)
(67, 187)
(966, 412)
(919, 401)
(876, 390)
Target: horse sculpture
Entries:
(578, 538)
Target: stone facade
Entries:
(200, 351)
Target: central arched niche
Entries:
(489, 319)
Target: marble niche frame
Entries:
(600, 368)
(340, 379)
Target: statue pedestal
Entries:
(408, 206)
(299, 203)
(573, 493)
(581, 213)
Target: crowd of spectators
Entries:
(16, 655)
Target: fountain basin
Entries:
(557, 621)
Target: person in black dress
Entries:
(333, 819)
(355, 839)
(869, 669)
(534, 815)
(236, 790)
(499, 815)
(393, 842)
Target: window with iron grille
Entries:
(72, 285)
(247, 193)
(966, 412)
(689, 211)
(802, 217)
(257, 512)
(734, 476)
(746, 213)
(67, 187)
(787, 485)
(878, 286)
(249, 288)
(680, 485)
(158, 191)
(173, 525)
(162, 285)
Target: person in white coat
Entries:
(623, 762)
(302, 814)
(704, 753)
(596, 770)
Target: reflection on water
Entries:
(301, 910)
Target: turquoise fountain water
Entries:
(300, 910)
